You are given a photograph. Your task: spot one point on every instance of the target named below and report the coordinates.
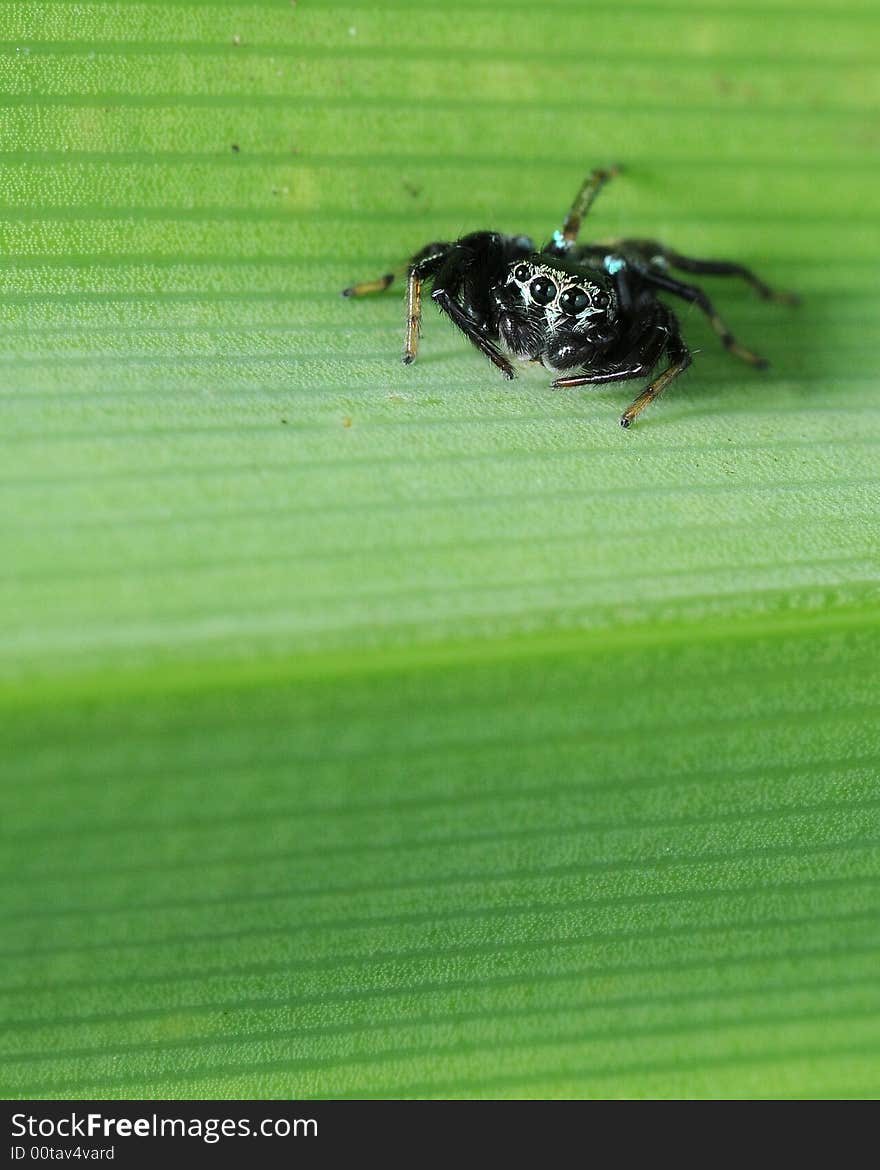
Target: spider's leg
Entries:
(447, 282)
(413, 316)
(638, 358)
(633, 356)
(424, 265)
(590, 188)
(650, 249)
(472, 331)
(726, 268)
(365, 287)
(679, 360)
(694, 294)
(602, 374)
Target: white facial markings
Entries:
(523, 274)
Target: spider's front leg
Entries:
(423, 265)
(679, 360)
(448, 270)
(659, 332)
(634, 355)
(413, 317)
(464, 275)
(463, 288)
(471, 331)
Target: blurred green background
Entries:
(371, 730)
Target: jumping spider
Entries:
(590, 309)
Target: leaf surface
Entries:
(373, 730)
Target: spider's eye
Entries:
(522, 273)
(601, 300)
(573, 301)
(543, 290)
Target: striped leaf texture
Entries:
(384, 731)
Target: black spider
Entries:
(591, 309)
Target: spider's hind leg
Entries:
(694, 294)
(651, 250)
(365, 287)
(726, 268)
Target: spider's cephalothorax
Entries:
(588, 312)
(547, 310)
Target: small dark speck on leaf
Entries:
(284, 420)
(236, 147)
(728, 88)
(412, 189)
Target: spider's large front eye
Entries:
(522, 272)
(573, 301)
(543, 290)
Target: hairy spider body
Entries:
(589, 313)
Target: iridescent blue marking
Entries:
(559, 240)
(613, 264)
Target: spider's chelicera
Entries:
(587, 312)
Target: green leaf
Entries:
(372, 730)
